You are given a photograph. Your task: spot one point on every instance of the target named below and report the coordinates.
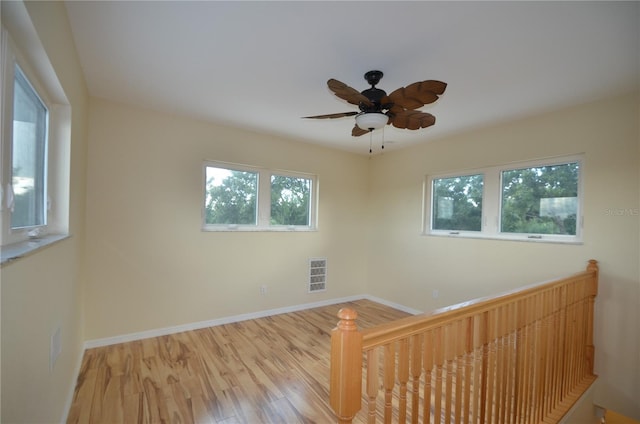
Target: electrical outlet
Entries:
(55, 348)
(263, 290)
(435, 293)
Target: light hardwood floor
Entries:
(613, 417)
(266, 370)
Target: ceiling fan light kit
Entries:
(378, 109)
(371, 121)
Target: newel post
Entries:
(593, 292)
(345, 392)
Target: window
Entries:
(537, 201)
(240, 197)
(35, 146)
(290, 200)
(28, 192)
(540, 200)
(232, 197)
(457, 203)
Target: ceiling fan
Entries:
(378, 109)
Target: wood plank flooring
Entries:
(267, 370)
(612, 417)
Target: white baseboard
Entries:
(393, 305)
(89, 344)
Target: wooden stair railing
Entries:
(524, 356)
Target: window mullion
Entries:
(491, 201)
(264, 198)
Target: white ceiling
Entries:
(264, 65)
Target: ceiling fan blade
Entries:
(357, 131)
(437, 87)
(347, 93)
(412, 120)
(332, 115)
(417, 94)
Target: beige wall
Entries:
(150, 264)
(405, 267)
(43, 291)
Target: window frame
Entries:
(27, 53)
(10, 150)
(492, 203)
(456, 175)
(263, 203)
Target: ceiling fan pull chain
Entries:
(370, 141)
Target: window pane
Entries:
(231, 196)
(457, 203)
(540, 200)
(29, 155)
(290, 200)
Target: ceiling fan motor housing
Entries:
(375, 95)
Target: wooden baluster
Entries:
(346, 367)
(553, 356)
(416, 371)
(403, 378)
(541, 356)
(571, 321)
(468, 357)
(461, 334)
(427, 365)
(491, 365)
(511, 362)
(503, 362)
(581, 341)
(537, 357)
(531, 359)
(584, 312)
(483, 352)
(577, 340)
(373, 369)
(479, 336)
(518, 411)
(533, 376)
(389, 378)
(593, 292)
(562, 343)
(553, 348)
(450, 335)
(587, 332)
(500, 362)
(549, 305)
(439, 360)
(524, 355)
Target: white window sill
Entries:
(15, 251)
(242, 228)
(519, 237)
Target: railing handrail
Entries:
(405, 327)
(497, 345)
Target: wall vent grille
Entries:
(317, 275)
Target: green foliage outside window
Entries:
(231, 197)
(290, 200)
(457, 203)
(540, 200)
